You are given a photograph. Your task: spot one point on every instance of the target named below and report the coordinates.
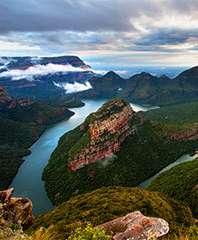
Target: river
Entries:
(28, 182)
(182, 159)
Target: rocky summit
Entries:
(106, 131)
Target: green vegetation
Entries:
(109, 203)
(80, 144)
(89, 233)
(66, 101)
(19, 128)
(185, 113)
(141, 156)
(175, 118)
(180, 183)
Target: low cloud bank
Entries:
(74, 87)
(29, 73)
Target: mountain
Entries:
(21, 123)
(114, 146)
(146, 88)
(180, 183)
(42, 77)
(52, 77)
(108, 203)
(8, 63)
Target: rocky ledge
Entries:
(14, 210)
(136, 226)
(105, 132)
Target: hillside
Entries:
(21, 123)
(180, 183)
(179, 121)
(114, 146)
(109, 203)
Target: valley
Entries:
(34, 164)
(85, 140)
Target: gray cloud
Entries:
(50, 15)
(98, 27)
(166, 36)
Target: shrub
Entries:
(89, 233)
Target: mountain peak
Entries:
(111, 74)
(189, 73)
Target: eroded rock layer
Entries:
(107, 129)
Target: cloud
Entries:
(101, 28)
(74, 87)
(74, 15)
(165, 36)
(36, 70)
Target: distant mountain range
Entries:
(49, 77)
(43, 77)
(146, 88)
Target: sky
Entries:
(102, 32)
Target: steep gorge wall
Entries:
(106, 136)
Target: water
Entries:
(27, 182)
(182, 159)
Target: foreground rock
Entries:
(136, 226)
(15, 210)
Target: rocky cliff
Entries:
(4, 97)
(106, 131)
(15, 210)
(7, 102)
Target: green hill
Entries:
(106, 204)
(180, 183)
(20, 127)
(141, 155)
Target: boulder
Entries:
(136, 226)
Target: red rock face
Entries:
(136, 226)
(8, 102)
(191, 134)
(106, 137)
(4, 98)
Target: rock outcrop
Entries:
(15, 210)
(7, 102)
(190, 134)
(136, 226)
(4, 97)
(106, 131)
